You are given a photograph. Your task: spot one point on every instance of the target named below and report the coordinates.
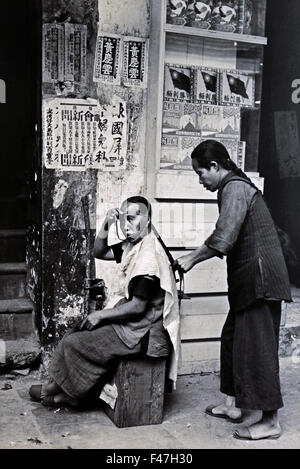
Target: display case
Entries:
(208, 85)
(205, 81)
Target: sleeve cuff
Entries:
(219, 245)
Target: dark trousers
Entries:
(249, 356)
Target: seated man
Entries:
(149, 305)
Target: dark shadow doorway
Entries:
(282, 181)
(20, 44)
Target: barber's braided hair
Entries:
(212, 150)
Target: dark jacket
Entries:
(255, 265)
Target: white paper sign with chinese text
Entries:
(135, 62)
(107, 59)
(81, 134)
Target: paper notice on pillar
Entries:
(79, 134)
(107, 59)
(53, 53)
(287, 143)
(135, 62)
(64, 53)
(75, 53)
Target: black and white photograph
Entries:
(149, 230)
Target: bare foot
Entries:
(267, 427)
(223, 409)
(227, 408)
(258, 431)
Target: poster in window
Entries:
(181, 118)
(205, 85)
(236, 88)
(107, 59)
(178, 83)
(177, 12)
(220, 121)
(226, 15)
(199, 13)
(135, 62)
(176, 152)
(231, 144)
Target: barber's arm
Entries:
(101, 248)
(236, 199)
(186, 263)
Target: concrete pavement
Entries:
(26, 424)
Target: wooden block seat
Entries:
(140, 383)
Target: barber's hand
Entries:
(185, 263)
(91, 321)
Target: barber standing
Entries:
(257, 283)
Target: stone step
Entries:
(15, 305)
(12, 286)
(12, 280)
(13, 212)
(12, 245)
(20, 353)
(14, 326)
(13, 268)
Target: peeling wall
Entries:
(128, 18)
(65, 248)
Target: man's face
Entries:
(134, 221)
(209, 178)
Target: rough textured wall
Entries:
(64, 248)
(64, 237)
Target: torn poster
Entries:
(81, 134)
(75, 53)
(64, 53)
(53, 53)
(287, 143)
(107, 59)
(135, 62)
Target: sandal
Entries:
(255, 434)
(209, 411)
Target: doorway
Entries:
(19, 107)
